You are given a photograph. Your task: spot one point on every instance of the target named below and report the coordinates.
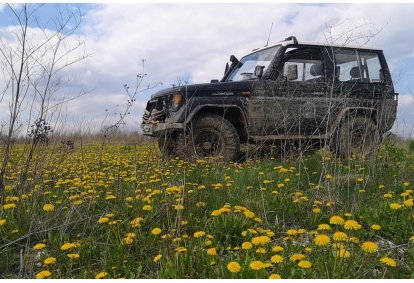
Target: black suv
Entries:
(341, 96)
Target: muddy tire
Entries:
(213, 136)
(357, 136)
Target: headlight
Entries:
(177, 100)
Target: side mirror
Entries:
(292, 72)
(258, 71)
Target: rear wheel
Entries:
(358, 136)
(213, 136)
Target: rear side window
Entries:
(358, 66)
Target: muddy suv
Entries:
(340, 96)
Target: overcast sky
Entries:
(193, 42)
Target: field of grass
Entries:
(120, 211)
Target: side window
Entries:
(303, 64)
(358, 66)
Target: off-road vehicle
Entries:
(341, 96)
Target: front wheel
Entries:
(358, 136)
(213, 136)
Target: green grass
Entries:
(108, 201)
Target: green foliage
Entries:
(121, 212)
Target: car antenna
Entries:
(269, 35)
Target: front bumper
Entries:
(158, 129)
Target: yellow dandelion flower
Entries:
(256, 265)
(261, 240)
(136, 222)
(247, 246)
(324, 227)
(43, 274)
(248, 214)
(2, 222)
(409, 202)
(261, 251)
(354, 240)
(179, 207)
(352, 225)
(233, 267)
(73, 256)
(342, 253)
(48, 207)
(369, 247)
(296, 257)
(128, 241)
(110, 197)
(412, 239)
(129, 199)
(208, 243)
(212, 251)
(199, 234)
(336, 220)
(339, 236)
(49, 260)
(316, 210)
(276, 259)
(375, 227)
(277, 249)
(395, 206)
(181, 250)
(275, 276)
(67, 246)
(147, 208)
(328, 176)
(157, 258)
(292, 232)
(101, 275)
(406, 184)
(322, 240)
(39, 246)
(103, 220)
(305, 264)
(9, 206)
(156, 231)
(388, 261)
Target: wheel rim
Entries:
(207, 143)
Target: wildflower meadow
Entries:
(119, 210)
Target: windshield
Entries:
(245, 68)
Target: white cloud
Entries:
(195, 41)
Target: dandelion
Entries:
(275, 276)
(261, 240)
(103, 220)
(67, 246)
(369, 247)
(342, 253)
(322, 240)
(43, 274)
(256, 265)
(2, 222)
(101, 275)
(212, 251)
(277, 249)
(276, 259)
(305, 264)
(128, 241)
(208, 243)
(49, 260)
(233, 267)
(48, 207)
(147, 208)
(136, 222)
(292, 232)
(9, 206)
(248, 214)
(129, 199)
(328, 176)
(261, 251)
(375, 227)
(178, 207)
(354, 240)
(339, 236)
(388, 261)
(395, 206)
(156, 231)
(39, 246)
(406, 184)
(409, 202)
(388, 195)
(247, 246)
(181, 250)
(324, 227)
(199, 234)
(336, 220)
(73, 256)
(412, 239)
(316, 210)
(157, 258)
(352, 225)
(296, 257)
(110, 197)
